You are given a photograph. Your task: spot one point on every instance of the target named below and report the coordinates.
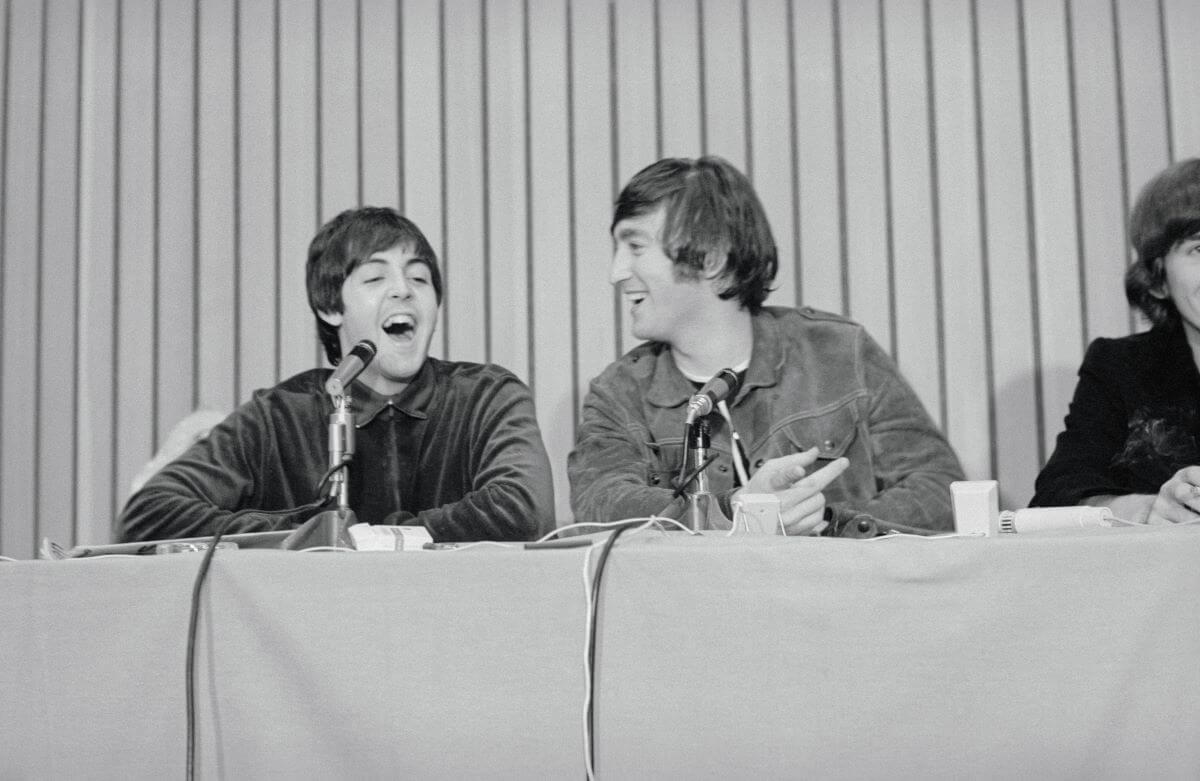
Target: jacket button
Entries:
(827, 444)
(722, 468)
(655, 479)
(758, 464)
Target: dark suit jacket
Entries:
(1132, 423)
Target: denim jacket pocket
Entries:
(664, 465)
(832, 431)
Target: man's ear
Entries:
(1160, 291)
(714, 264)
(334, 319)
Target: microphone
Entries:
(350, 367)
(721, 387)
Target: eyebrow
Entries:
(423, 261)
(627, 232)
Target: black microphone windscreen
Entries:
(365, 350)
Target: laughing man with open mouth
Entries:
(448, 445)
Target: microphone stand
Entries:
(703, 509)
(330, 528)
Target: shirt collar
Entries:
(669, 388)
(413, 401)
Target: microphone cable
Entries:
(591, 651)
(193, 620)
(219, 529)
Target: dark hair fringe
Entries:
(712, 218)
(1167, 211)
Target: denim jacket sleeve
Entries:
(610, 468)
(913, 464)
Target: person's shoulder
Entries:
(1137, 348)
(815, 328)
(302, 391)
(471, 375)
(807, 317)
(636, 367)
(307, 383)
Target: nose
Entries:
(400, 288)
(619, 270)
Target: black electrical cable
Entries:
(679, 490)
(591, 657)
(193, 620)
(219, 530)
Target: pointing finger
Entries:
(826, 474)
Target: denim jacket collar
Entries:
(669, 388)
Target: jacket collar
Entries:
(413, 401)
(669, 388)
(1174, 363)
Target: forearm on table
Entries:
(1128, 507)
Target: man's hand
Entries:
(1178, 500)
(801, 501)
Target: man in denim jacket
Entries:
(826, 421)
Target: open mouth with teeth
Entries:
(400, 327)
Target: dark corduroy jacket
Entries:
(815, 379)
(459, 451)
(1132, 423)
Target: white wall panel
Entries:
(954, 173)
(867, 209)
(1102, 200)
(919, 346)
(1054, 252)
(969, 413)
(678, 60)
(592, 160)
(1016, 386)
(723, 65)
(255, 236)
(95, 455)
(379, 63)
(507, 170)
(771, 142)
(300, 212)
(1143, 89)
(177, 250)
(552, 323)
(60, 292)
(216, 292)
(22, 273)
(464, 269)
(819, 157)
(136, 301)
(1181, 19)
